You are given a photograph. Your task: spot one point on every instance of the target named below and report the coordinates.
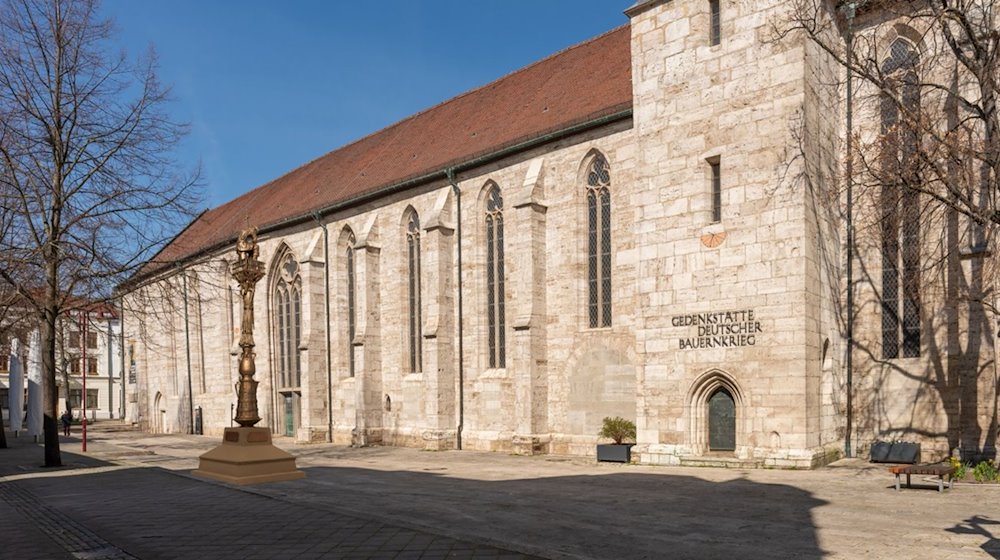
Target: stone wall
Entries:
(749, 308)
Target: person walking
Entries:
(67, 419)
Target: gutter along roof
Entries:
(589, 82)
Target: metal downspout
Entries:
(326, 327)
(121, 340)
(111, 372)
(187, 348)
(461, 351)
(850, 9)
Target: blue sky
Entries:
(268, 85)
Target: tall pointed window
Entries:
(495, 316)
(415, 361)
(288, 312)
(900, 219)
(351, 312)
(599, 243)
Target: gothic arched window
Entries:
(900, 220)
(414, 349)
(288, 311)
(495, 317)
(599, 242)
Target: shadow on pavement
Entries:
(151, 512)
(614, 515)
(24, 455)
(985, 527)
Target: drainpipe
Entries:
(187, 348)
(461, 353)
(326, 328)
(121, 344)
(111, 371)
(850, 10)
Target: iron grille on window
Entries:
(288, 308)
(349, 257)
(297, 326)
(900, 207)
(413, 292)
(715, 166)
(715, 35)
(495, 316)
(599, 242)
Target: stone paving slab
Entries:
(572, 507)
(97, 511)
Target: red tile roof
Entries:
(580, 84)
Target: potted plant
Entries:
(617, 429)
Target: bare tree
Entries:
(924, 165)
(955, 60)
(88, 182)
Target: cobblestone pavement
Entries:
(132, 494)
(90, 511)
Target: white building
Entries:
(98, 353)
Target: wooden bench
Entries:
(939, 471)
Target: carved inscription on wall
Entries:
(722, 329)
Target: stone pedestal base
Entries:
(247, 456)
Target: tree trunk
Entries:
(3, 432)
(49, 388)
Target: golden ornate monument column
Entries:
(247, 271)
(247, 455)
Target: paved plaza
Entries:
(131, 496)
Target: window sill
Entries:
(902, 359)
(494, 373)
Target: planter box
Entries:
(899, 452)
(615, 453)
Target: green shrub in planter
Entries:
(985, 472)
(617, 429)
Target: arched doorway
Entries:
(721, 421)
(158, 414)
(717, 415)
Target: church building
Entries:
(649, 224)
